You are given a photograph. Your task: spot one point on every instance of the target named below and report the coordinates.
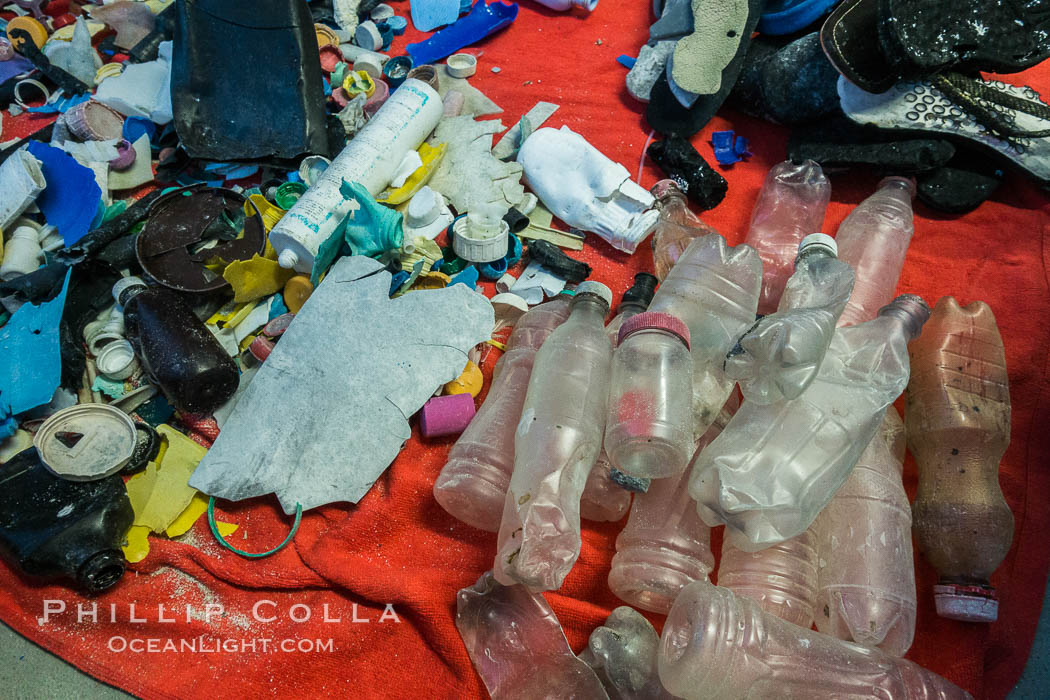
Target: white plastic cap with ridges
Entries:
(479, 249)
(596, 288)
(126, 283)
(818, 240)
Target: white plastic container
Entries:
(21, 182)
(371, 158)
(21, 254)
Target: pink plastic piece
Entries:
(446, 415)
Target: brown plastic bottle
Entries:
(958, 425)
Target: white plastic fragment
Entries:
(510, 142)
(142, 90)
(21, 182)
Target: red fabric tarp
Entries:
(399, 547)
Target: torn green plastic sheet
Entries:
(369, 230)
(31, 367)
(328, 410)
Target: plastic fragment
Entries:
(255, 278)
(552, 258)
(142, 90)
(70, 200)
(729, 148)
(21, 182)
(160, 493)
(446, 415)
(681, 162)
(428, 15)
(484, 19)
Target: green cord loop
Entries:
(227, 545)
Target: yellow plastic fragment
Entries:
(296, 291)
(423, 249)
(256, 278)
(197, 507)
(469, 382)
(431, 280)
(270, 213)
(161, 492)
(431, 157)
(138, 543)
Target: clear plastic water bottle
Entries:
(472, 485)
(714, 289)
(776, 466)
(791, 205)
(556, 443)
(649, 425)
(782, 579)
(958, 429)
(874, 240)
(717, 645)
(677, 228)
(780, 356)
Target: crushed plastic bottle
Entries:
(664, 545)
(782, 579)
(714, 289)
(717, 645)
(866, 573)
(874, 240)
(623, 654)
(56, 528)
(472, 485)
(958, 425)
(677, 228)
(518, 646)
(556, 443)
(790, 206)
(776, 466)
(177, 351)
(780, 356)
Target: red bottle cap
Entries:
(654, 320)
(966, 603)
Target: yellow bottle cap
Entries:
(37, 31)
(296, 291)
(325, 36)
(470, 382)
(357, 82)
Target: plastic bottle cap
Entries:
(426, 73)
(461, 65)
(478, 239)
(381, 11)
(125, 156)
(966, 603)
(288, 194)
(331, 57)
(326, 36)
(37, 31)
(819, 240)
(125, 283)
(596, 288)
(94, 121)
(470, 381)
(86, 442)
(397, 69)
(109, 70)
(653, 320)
(261, 347)
(446, 415)
(312, 167)
(422, 209)
(296, 291)
(368, 36)
(116, 360)
(287, 258)
(369, 64)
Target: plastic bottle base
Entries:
(646, 457)
(966, 603)
(473, 499)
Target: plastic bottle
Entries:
(790, 206)
(781, 354)
(623, 654)
(56, 528)
(782, 579)
(866, 573)
(177, 351)
(603, 499)
(472, 485)
(649, 426)
(874, 240)
(371, 158)
(677, 228)
(776, 466)
(714, 289)
(556, 443)
(717, 645)
(958, 423)
(664, 545)
(21, 254)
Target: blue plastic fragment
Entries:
(60, 105)
(326, 87)
(398, 24)
(397, 280)
(277, 307)
(729, 148)
(428, 15)
(493, 270)
(386, 32)
(464, 6)
(626, 61)
(70, 200)
(8, 427)
(16, 65)
(484, 19)
(29, 344)
(468, 276)
(788, 16)
(134, 127)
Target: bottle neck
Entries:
(911, 311)
(590, 307)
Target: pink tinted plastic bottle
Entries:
(782, 579)
(677, 228)
(874, 240)
(473, 483)
(790, 206)
(717, 645)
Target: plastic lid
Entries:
(369, 63)
(818, 241)
(368, 36)
(476, 243)
(86, 442)
(654, 320)
(422, 209)
(287, 258)
(296, 291)
(37, 31)
(123, 284)
(664, 188)
(596, 288)
(116, 360)
(461, 65)
(966, 603)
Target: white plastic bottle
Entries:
(557, 440)
(780, 356)
(776, 466)
(371, 157)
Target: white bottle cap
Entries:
(370, 64)
(819, 240)
(596, 288)
(368, 36)
(461, 65)
(126, 283)
(480, 238)
(287, 259)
